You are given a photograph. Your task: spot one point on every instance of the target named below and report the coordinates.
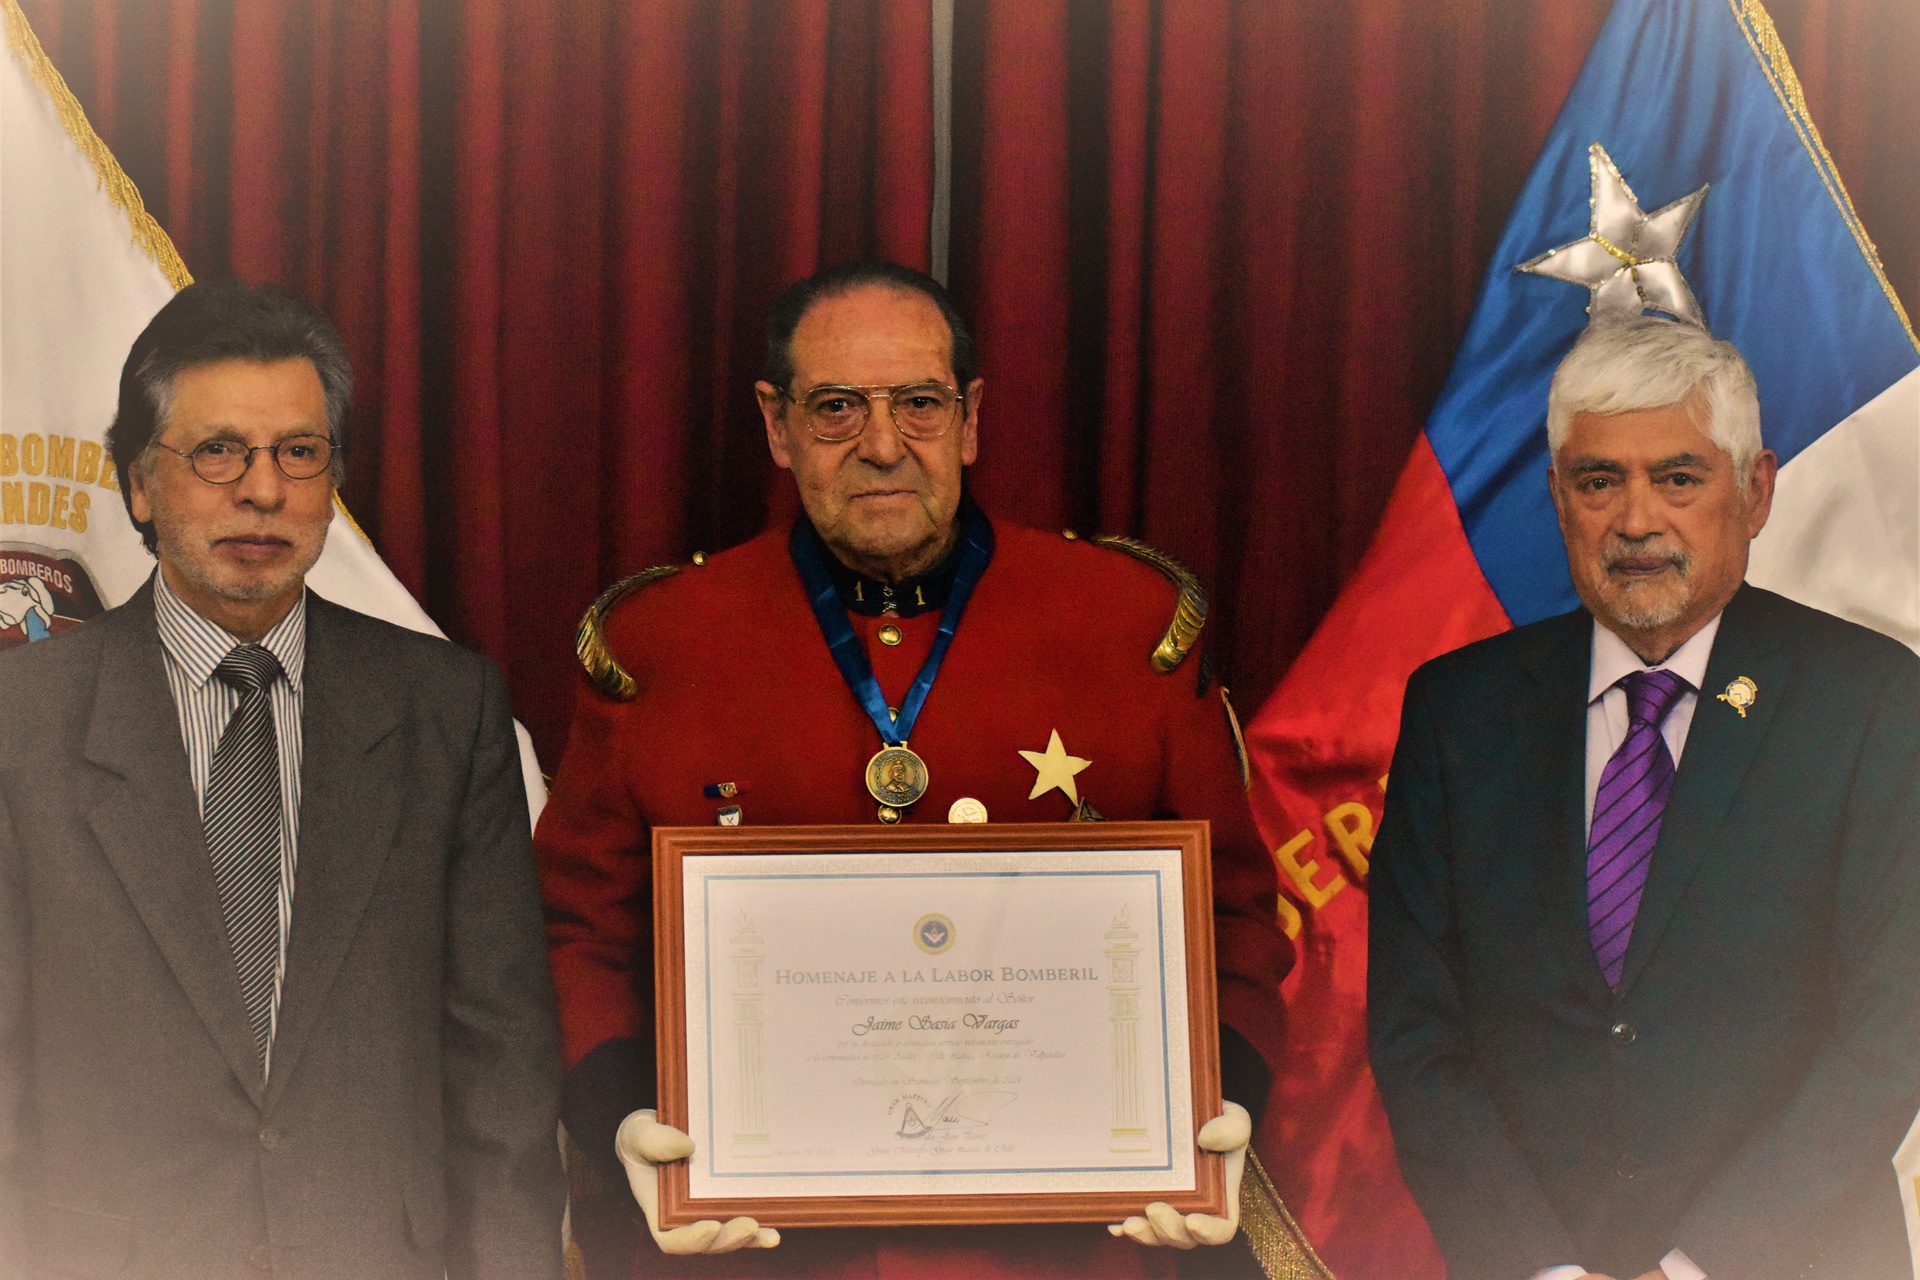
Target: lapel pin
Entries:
(966, 809)
(1740, 695)
(729, 816)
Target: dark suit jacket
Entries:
(408, 1128)
(1743, 1093)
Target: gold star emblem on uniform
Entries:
(1054, 768)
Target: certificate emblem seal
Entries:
(933, 933)
(896, 777)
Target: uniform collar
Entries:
(197, 645)
(925, 593)
(1613, 661)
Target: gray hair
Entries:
(1644, 362)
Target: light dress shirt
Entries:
(1607, 713)
(193, 647)
(1607, 720)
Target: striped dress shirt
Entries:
(193, 648)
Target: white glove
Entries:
(643, 1145)
(1228, 1134)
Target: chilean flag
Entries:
(1676, 96)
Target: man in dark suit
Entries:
(273, 986)
(1645, 937)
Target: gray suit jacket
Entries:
(408, 1128)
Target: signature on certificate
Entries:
(956, 1111)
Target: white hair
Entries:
(1643, 362)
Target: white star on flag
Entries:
(1627, 257)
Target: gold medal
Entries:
(896, 777)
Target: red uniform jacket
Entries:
(735, 684)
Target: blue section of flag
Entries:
(1676, 92)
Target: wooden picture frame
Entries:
(990, 858)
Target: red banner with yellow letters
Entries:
(1320, 748)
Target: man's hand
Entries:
(1228, 1134)
(643, 1145)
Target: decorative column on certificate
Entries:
(751, 1139)
(1123, 1010)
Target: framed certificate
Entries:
(936, 1024)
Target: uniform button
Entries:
(269, 1138)
(1626, 1166)
(889, 634)
(261, 1260)
(1623, 1033)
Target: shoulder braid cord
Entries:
(590, 641)
(1189, 612)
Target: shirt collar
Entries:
(926, 593)
(1613, 661)
(198, 645)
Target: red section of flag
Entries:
(1320, 748)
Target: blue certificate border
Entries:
(1166, 1051)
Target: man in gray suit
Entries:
(273, 985)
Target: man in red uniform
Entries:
(1041, 676)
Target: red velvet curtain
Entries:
(1218, 252)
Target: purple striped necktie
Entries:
(1626, 818)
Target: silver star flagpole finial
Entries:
(1626, 259)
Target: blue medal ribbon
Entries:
(976, 549)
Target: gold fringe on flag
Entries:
(147, 233)
(113, 179)
(1277, 1242)
(1771, 53)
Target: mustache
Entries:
(1645, 555)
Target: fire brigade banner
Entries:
(83, 267)
(1684, 168)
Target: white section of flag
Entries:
(1845, 531)
(76, 288)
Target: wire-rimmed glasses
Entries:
(222, 460)
(920, 410)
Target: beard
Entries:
(1644, 605)
(184, 546)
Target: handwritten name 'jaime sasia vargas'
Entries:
(928, 1022)
(859, 977)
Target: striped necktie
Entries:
(242, 818)
(1626, 818)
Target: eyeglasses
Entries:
(221, 461)
(921, 410)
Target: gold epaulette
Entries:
(590, 641)
(1189, 611)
